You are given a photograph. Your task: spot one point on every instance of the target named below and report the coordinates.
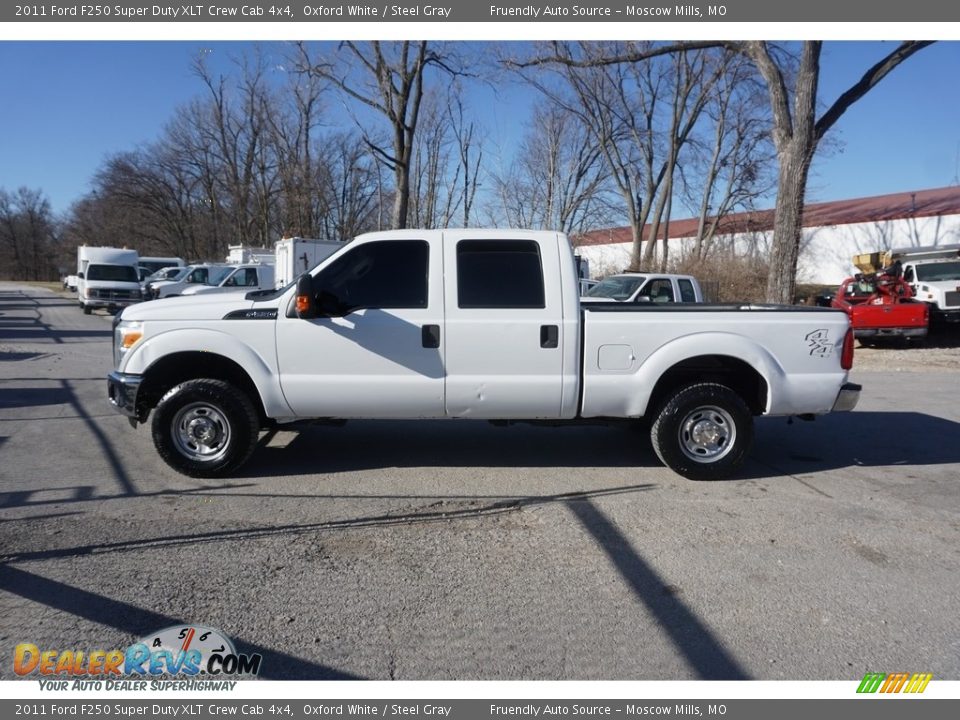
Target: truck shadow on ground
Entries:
(137, 622)
(691, 636)
(861, 439)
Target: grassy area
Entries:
(55, 286)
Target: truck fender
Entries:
(148, 352)
(634, 390)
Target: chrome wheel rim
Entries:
(201, 432)
(707, 434)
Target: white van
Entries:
(107, 278)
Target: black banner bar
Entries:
(441, 709)
(488, 11)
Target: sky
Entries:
(68, 105)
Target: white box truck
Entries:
(296, 255)
(107, 277)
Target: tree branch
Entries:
(870, 78)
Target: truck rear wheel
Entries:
(205, 428)
(703, 432)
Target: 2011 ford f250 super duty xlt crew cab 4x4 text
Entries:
(469, 324)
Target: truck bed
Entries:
(795, 350)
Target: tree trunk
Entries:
(788, 221)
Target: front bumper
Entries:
(122, 390)
(904, 332)
(950, 315)
(102, 303)
(847, 398)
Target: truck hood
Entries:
(193, 307)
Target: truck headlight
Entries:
(126, 334)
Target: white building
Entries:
(832, 232)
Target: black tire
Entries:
(87, 310)
(214, 408)
(703, 432)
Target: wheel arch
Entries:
(171, 370)
(737, 374)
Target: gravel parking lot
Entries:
(449, 550)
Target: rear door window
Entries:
(499, 274)
(687, 293)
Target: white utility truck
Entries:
(107, 277)
(933, 273)
(295, 256)
(473, 324)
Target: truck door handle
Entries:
(430, 336)
(549, 336)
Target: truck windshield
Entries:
(218, 275)
(113, 273)
(617, 287)
(932, 272)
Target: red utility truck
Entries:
(880, 304)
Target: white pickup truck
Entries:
(645, 287)
(476, 324)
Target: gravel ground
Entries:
(940, 353)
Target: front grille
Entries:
(107, 294)
(952, 299)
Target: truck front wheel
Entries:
(703, 432)
(205, 428)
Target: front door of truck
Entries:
(376, 352)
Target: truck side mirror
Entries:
(80, 275)
(306, 304)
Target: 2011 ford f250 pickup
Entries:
(481, 324)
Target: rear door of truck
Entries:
(504, 342)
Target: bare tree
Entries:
(640, 117)
(237, 133)
(433, 190)
(558, 179)
(347, 199)
(294, 128)
(388, 78)
(469, 144)
(797, 131)
(729, 163)
(28, 247)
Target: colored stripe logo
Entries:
(894, 682)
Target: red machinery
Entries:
(880, 304)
